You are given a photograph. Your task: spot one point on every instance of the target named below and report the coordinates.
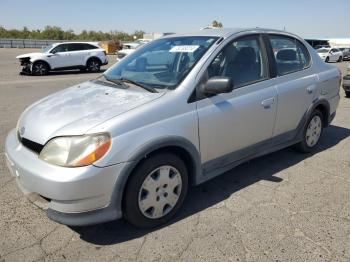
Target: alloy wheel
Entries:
(94, 66)
(40, 69)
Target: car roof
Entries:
(91, 43)
(226, 32)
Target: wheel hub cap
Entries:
(160, 192)
(313, 131)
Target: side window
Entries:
(76, 47)
(60, 48)
(290, 54)
(243, 60)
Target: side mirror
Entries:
(217, 85)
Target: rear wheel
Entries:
(40, 68)
(311, 133)
(155, 191)
(327, 59)
(340, 59)
(93, 65)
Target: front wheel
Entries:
(156, 191)
(340, 59)
(347, 94)
(311, 133)
(40, 68)
(93, 65)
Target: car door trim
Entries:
(215, 167)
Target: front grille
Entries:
(31, 145)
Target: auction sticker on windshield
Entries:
(184, 48)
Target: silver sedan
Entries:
(176, 112)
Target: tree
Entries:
(216, 24)
(57, 33)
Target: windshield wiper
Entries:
(111, 80)
(148, 88)
(122, 81)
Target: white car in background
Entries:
(136, 44)
(330, 54)
(128, 48)
(64, 56)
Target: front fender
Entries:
(142, 152)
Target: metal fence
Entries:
(26, 43)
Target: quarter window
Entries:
(242, 60)
(290, 54)
(88, 46)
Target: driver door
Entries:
(231, 122)
(60, 56)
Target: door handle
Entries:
(311, 89)
(268, 102)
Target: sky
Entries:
(307, 18)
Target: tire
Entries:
(340, 59)
(93, 65)
(312, 133)
(152, 198)
(327, 59)
(40, 68)
(347, 94)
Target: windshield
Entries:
(163, 63)
(322, 51)
(48, 48)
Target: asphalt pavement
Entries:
(284, 206)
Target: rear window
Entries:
(290, 54)
(76, 47)
(88, 46)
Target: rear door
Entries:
(295, 82)
(76, 54)
(234, 121)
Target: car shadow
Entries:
(66, 72)
(71, 72)
(216, 190)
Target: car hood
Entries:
(75, 110)
(29, 55)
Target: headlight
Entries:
(76, 151)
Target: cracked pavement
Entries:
(284, 206)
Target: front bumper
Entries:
(346, 83)
(69, 195)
